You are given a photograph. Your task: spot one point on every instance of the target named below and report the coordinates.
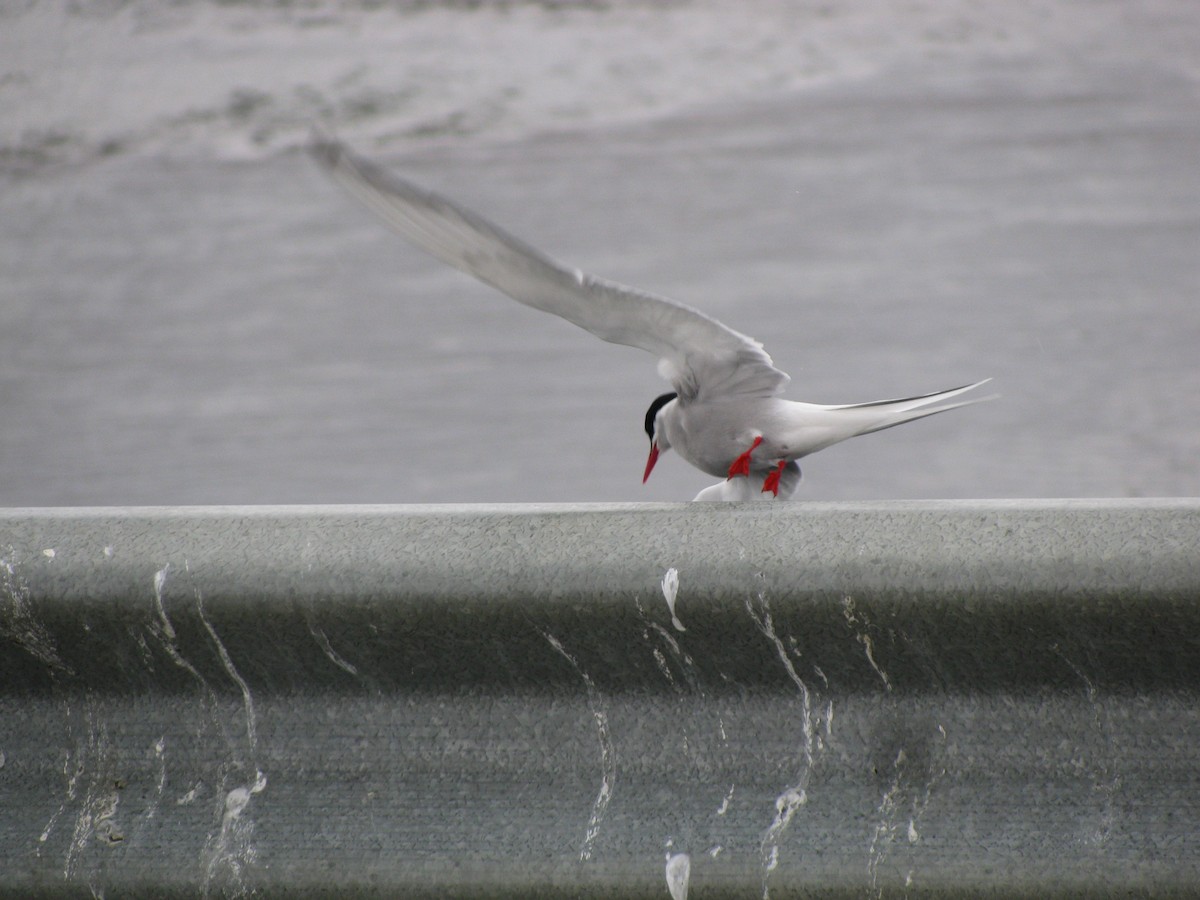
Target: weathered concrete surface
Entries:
(901, 698)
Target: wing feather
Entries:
(701, 356)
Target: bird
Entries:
(724, 413)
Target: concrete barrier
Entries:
(736, 700)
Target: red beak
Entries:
(651, 461)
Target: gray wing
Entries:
(700, 356)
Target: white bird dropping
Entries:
(679, 870)
(670, 589)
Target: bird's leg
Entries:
(772, 481)
(741, 465)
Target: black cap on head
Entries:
(659, 403)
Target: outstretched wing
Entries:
(700, 356)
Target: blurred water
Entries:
(191, 314)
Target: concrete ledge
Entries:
(906, 698)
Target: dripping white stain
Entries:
(336, 658)
(794, 796)
(160, 749)
(233, 849)
(905, 794)
(724, 807)
(228, 850)
(227, 662)
(160, 757)
(767, 627)
(686, 664)
(884, 831)
(670, 589)
(786, 805)
(772, 864)
(661, 659)
(608, 754)
(17, 617)
(101, 794)
(165, 632)
(72, 780)
(160, 583)
(853, 619)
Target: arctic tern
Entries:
(724, 414)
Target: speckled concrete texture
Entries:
(905, 698)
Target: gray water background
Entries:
(892, 200)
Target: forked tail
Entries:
(880, 414)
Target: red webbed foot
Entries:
(772, 481)
(741, 465)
